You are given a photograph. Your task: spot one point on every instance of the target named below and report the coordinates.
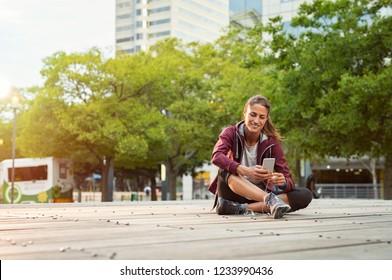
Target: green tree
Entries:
(334, 74)
(166, 106)
(203, 89)
(7, 115)
(77, 114)
(179, 95)
(135, 111)
(5, 140)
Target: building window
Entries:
(124, 16)
(124, 5)
(63, 171)
(159, 34)
(139, 36)
(123, 40)
(30, 173)
(161, 21)
(124, 28)
(159, 10)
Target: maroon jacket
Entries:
(228, 151)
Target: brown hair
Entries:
(269, 128)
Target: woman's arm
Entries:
(222, 155)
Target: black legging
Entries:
(299, 198)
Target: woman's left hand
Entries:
(277, 179)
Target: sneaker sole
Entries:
(281, 211)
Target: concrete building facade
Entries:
(142, 23)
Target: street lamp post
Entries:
(14, 105)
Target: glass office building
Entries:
(245, 13)
(141, 23)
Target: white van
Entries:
(37, 180)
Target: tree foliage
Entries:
(328, 78)
(335, 74)
(166, 106)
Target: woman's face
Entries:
(255, 117)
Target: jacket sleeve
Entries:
(282, 167)
(222, 155)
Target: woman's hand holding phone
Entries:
(259, 173)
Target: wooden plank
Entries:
(327, 229)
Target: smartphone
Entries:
(269, 163)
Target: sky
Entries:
(31, 30)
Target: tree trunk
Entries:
(373, 162)
(106, 195)
(372, 169)
(172, 185)
(171, 179)
(300, 182)
(153, 186)
(388, 178)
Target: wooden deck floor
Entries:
(187, 230)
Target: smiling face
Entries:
(256, 116)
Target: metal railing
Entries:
(362, 191)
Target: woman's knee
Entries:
(299, 198)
